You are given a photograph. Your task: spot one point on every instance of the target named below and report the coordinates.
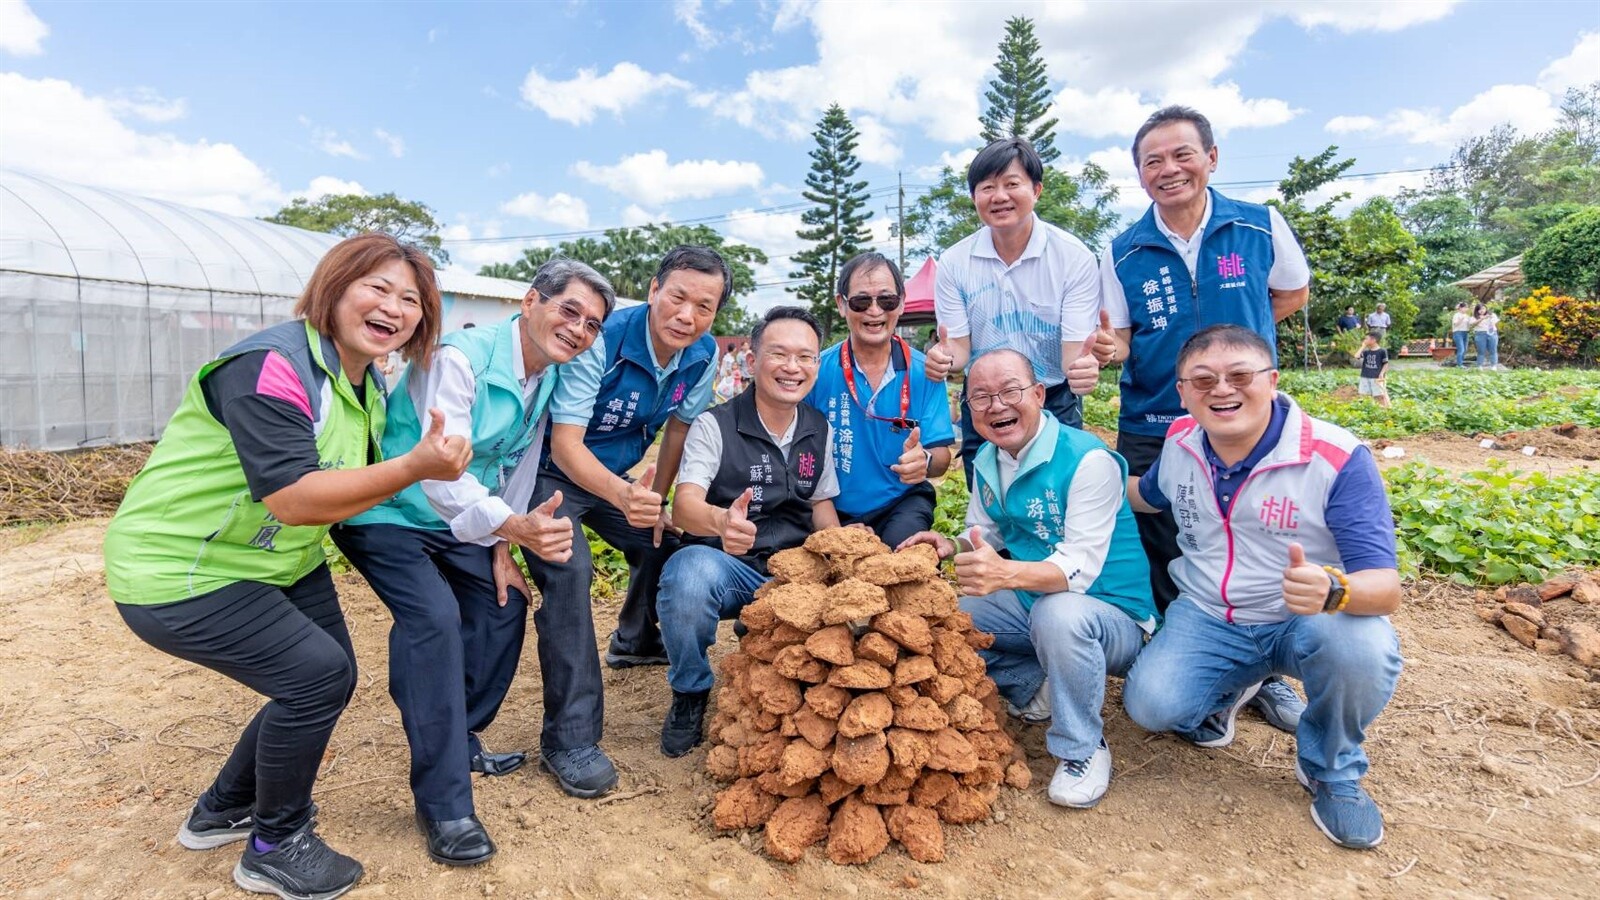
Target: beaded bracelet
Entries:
(1344, 590)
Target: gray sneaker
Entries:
(1279, 704)
(1217, 729)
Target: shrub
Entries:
(1565, 328)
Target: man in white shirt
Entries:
(1380, 321)
(1017, 283)
(1072, 603)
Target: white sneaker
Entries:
(1080, 783)
(1037, 711)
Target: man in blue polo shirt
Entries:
(1195, 258)
(650, 371)
(891, 424)
(1281, 519)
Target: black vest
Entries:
(781, 504)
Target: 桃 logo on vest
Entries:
(1230, 269)
(1280, 513)
(677, 392)
(808, 465)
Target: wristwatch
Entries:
(1338, 590)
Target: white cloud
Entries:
(1107, 112)
(1371, 15)
(649, 177)
(558, 209)
(394, 143)
(875, 144)
(498, 169)
(688, 12)
(328, 186)
(21, 32)
(957, 162)
(634, 216)
(772, 233)
(1576, 69)
(54, 128)
(471, 257)
(1350, 124)
(145, 103)
(577, 99)
(328, 141)
(1523, 106)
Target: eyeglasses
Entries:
(1007, 397)
(779, 358)
(1207, 383)
(862, 302)
(573, 313)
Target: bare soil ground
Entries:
(1485, 764)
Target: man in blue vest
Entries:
(1196, 258)
(757, 477)
(1288, 565)
(650, 372)
(891, 423)
(438, 556)
(1072, 604)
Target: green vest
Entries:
(187, 525)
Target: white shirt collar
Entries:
(1177, 239)
(1036, 238)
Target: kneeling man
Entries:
(1073, 603)
(1287, 568)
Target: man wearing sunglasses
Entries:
(1288, 567)
(891, 423)
(1196, 258)
(651, 371)
(1072, 604)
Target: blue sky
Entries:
(542, 119)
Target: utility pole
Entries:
(900, 228)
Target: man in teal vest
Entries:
(438, 555)
(1072, 603)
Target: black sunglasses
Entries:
(862, 302)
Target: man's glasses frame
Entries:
(1008, 397)
(572, 312)
(862, 302)
(1239, 380)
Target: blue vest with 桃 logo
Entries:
(1166, 306)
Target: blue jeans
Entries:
(700, 586)
(1349, 665)
(1460, 338)
(1073, 639)
(1488, 348)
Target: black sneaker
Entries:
(207, 830)
(300, 867)
(682, 731)
(618, 658)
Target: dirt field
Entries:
(1487, 765)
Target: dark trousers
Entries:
(899, 519)
(1060, 400)
(288, 644)
(574, 700)
(1158, 532)
(453, 649)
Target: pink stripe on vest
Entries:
(278, 379)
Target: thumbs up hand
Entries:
(541, 531)
(939, 358)
(981, 570)
(1099, 350)
(738, 532)
(1104, 346)
(912, 467)
(1305, 584)
(437, 457)
(639, 501)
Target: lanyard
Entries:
(900, 423)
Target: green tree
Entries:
(1019, 95)
(628, 257)
(1566, 257)
(836, 224)
(352, 214)
(1454, 245)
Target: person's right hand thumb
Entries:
(1297, 555)
(1105, 321)
(741, 504)
(944, 335)
(975, 538)
(435, 424)
(549, 507)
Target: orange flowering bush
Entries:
(1566, 327)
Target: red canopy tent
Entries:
(919, 296)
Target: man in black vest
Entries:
(757, 477)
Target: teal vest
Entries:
(502, 425)
(1030, 514)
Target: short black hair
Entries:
(1236, 336)
(778, 314)
(698, 259)
(867, 262)
(993, 159)
(1376, 335)
(1167, 115)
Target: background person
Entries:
(1486, 336)
(1374, 369)
(1460, 331)
(1380, 321)
(215, 555)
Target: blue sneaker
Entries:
(1217, 729)
(582, 772)
(1279, 704)
(1343, 811)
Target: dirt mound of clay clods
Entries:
(856, 710)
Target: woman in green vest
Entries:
(215, 555)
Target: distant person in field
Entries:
(1196, 258)
(1348, 321)
(215, 555)
(1486, 335)
(1288, 567)
(1461, 332)
(1380, 321)
(1374, 369)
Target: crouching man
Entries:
(1287, 568)
(1073, 603)
(757, 477)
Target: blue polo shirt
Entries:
(1357, 490)
(863, 448)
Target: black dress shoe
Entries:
(457, 842)
(486, 763)
(683, 730)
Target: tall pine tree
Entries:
(836, 223)
(1019, 96)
